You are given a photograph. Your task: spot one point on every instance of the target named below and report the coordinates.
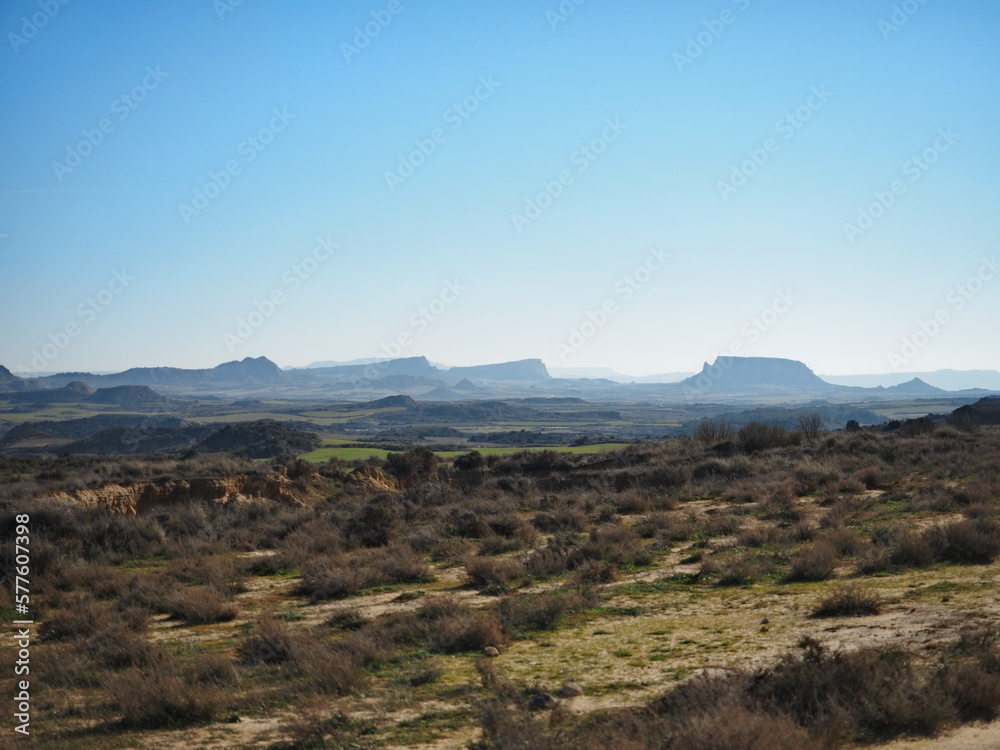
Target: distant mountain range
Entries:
(949, 380)
(727, 380)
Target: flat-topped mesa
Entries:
(523, 370)
(745, 374)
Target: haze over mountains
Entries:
(728, 379)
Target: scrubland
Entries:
(737, 589)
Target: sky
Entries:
(642, 186)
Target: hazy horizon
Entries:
(640, 188)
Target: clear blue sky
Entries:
(692, 91)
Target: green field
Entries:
(359, 454)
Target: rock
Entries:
(570, 690)
(491, 651)
(765, 621)
(764, 628)
(543, 702)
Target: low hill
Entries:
(916, 387)
(985, 411)
(259, 440)
(127, 395)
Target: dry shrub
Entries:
(565, 519)
(339, 576)
(551, 559)
(80, 617)
(199, 605)
(220, 573)
(744, 729)
(915, 549)
(451, 552)
(161, 695)
(595, 572)
(814, 562)
(532, 612)
(974, 691)
(149, 591)
(462, 629)
(118, 647)
(725, 525)
(493, 574)
(845, 541)
(618, 545)
(763, 535)
(270, 642)
(849, 601)
(863, 694)
(736, 570)
(972, 542)
(328, 669)
(633, 501)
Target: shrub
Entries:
(117, 647)
(973, 542)
(531, 612)
(618, 545)
(270, 642)
(199, 605)
(848, 601)
(754, 436)
(915, 549)
(814, 563)
(161, 695)
(463, 629)
(81, 616)
(493, 573)
(736, 570)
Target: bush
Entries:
(117, 647)
(270, 642)
(199, 605)
(532, 612)
(848, 601)
(493, 574)
(815, 562)
(462, 629)
(162, 695)
(754, 436)
(81, 616)
(972, 542)
(736, 570)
